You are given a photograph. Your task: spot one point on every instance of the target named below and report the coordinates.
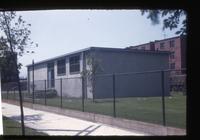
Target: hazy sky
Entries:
(62, 31)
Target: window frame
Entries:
(60, 67)
(172, 55)
(172, 64)
(143, 48)
(170, 43)
(75, 64)
(162, 46)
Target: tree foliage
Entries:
(15, 33)
(8, 72)
(172, 19)
(93, 68)
(14, 39)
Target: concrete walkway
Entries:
(54, 124)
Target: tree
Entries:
(172, 19)
(8, 73)
(92, 70)
(14, 39)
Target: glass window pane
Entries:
(61, 68)
(74, 64)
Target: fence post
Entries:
(163, 97)
(22, 96)
(7, 94)
(33, 97)
(114, 111)
(61, 105)
(14, 95)
(83, 95)
(45, 98)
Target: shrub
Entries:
(50, 93)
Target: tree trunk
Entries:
(93, 89)
(21, 103)
(17, 74)
(20, 93)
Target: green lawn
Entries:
(147, 109)
(11, 127)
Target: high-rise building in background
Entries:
(175, 45)
(177, 59)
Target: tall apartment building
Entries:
(176, 46)
(177, 59)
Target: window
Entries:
(50, 65)
(74, 64)
(162, 45)
(143, 48)
(172, 66)
(171, 43)
(172, 55)
(50, 75)
(152, 46)
(61, 67)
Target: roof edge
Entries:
(102, 49)
(82, 50)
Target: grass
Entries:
(11, 127)
(147, 109)
(150, 110)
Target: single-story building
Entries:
(70, 67)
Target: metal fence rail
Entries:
(145, 96)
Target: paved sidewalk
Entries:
(54, 124)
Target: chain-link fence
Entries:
(178, 80)
(151, 96)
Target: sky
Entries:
(59, 32)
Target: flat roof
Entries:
(138, 45)
(101, 49)
(154, 41)
(46, 60)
